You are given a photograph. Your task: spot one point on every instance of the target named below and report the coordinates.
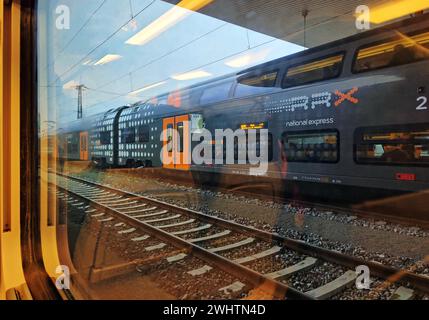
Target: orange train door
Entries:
(183, 140)
(177, 140)
(168, 145)
(84, 146)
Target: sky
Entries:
(98, 51)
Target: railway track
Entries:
(272, 195)
(233, 248)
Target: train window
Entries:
(170, 134)
(407, 145)
(393, 52)
(144, 133)
(261, 146)
(256, 84)
(72, 144)
(311, 146)
(158, 128)
(316, 70)
(181, 139)
(105, 137)
(257, 146)
(264, 80)
(128, 135)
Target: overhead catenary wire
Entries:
(78, 32)
(176, 49)
(100, 44)
(163, 56)
(118, 95)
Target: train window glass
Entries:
(72, 144)
(170, 136)
(261, 146)
(393, 52)
(312, 146)
(215, 93)
(316, 70)
(256, 84)
(263, 80)
(393, 146)
(105, 137)
(144, 133)
(181, 138)
(121, 82)
(128, 135)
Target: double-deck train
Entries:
(354, 112)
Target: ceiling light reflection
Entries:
(167, 20)
(191, 75)
(247, 59)
(137, 92)
(107, 59)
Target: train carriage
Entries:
(334, 113)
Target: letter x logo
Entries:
(348, 96)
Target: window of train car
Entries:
(312, 146)
(181, 137)
(256, 84)
(128, 135)
(401, 50)
(406, 145)
(105, 137)
(167, 127)
(144, 133)
(72, 145)
(314, 71)
(170, 136)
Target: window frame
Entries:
(378, 42)
(102, 140)
(129, 129)
(342, 53)
(255, 73)
(358, 137)
(139, 133)
(181, 137)
(333, 130)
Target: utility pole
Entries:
(80, 89)
(305, 13)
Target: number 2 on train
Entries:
(422, 106)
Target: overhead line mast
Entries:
(80, 88)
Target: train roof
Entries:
(332, 44)
(86, 123)
(156, 110)
(340, 42)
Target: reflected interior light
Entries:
(396, 9)
(420, 39)
(107, 59)
(247, 59)
(191, 75)
(167, 20)
(136, 92)
(88, 62)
